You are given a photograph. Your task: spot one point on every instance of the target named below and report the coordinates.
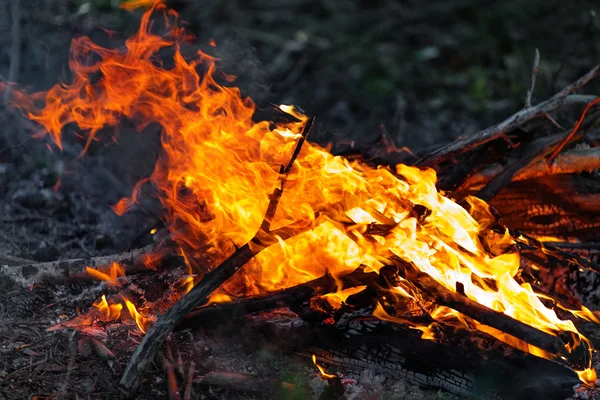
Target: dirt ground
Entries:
(422, 73)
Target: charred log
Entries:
(563, 206)
(455, 365)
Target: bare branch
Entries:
(497, 131)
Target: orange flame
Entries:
(107, 312)
(219, 167)
(112, 275)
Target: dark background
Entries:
(428, 71)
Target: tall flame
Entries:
(218, 168)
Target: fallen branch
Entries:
(165, 324)
(571, 162)
(560, 99)
(64, 271)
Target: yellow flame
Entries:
(141, 322)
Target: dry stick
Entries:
(63, 271)
(170, 378)
(165, 324)
(497, 131)
(187, 393)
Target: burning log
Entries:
(145, 352)
(63, 271)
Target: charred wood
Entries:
(533, 152)
(571, 162)
(454, 364)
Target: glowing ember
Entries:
(218, 168)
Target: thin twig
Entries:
(149, 346)
(574, 131)
(534, 73)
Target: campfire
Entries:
(259, 219)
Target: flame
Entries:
(322, 373)
(218, 168)
(142, 322)
(107, 312)
(338, 298)
(111, 275)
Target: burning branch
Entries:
(497, 320)
(527, 114)
(147, 349)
